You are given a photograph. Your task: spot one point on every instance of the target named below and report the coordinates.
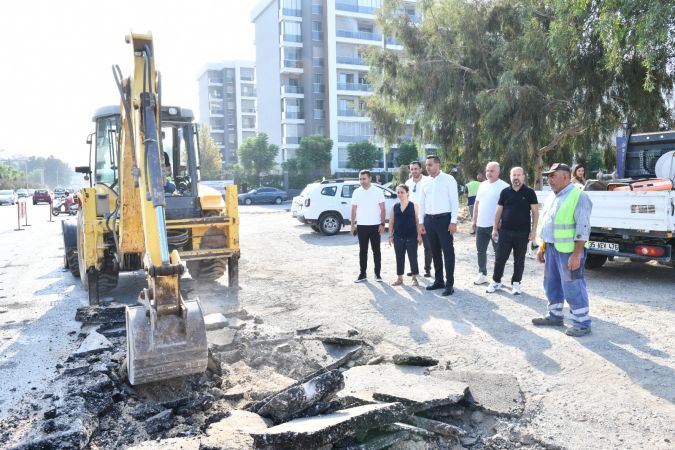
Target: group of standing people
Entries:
(505, 215)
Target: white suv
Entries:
(327, 205)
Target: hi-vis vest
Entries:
(564, 225)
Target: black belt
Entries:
(434, 216)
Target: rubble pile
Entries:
(270, 388)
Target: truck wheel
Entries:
(595, 261)
(330, 223)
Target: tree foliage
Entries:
(362, 155)
(210, 161)
(257, 157)
(314, 155)
(524, 82)
(407, 151)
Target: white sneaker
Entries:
(480, 279)
(493, 287)
(516, 289)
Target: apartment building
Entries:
(227, 105)
(311, 74)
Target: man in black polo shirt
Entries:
(514, 227)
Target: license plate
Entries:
(606, 246)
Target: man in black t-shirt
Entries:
(515, 225)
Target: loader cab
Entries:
(178, 143)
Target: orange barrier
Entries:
(656, 184)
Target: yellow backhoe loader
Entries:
(145, 209)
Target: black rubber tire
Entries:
(55, 212)
(278, 201)
(248, 201)
(72, 263)
(330, 223)
(107, 280)
(209, 269)
(595, 261)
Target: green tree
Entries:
(401, 175)
(256, 157)
(9, 177)
(314, 155)
(407, 151)
(524, 82)
(362, 155)
(210, 162)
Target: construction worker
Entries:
(562, 235)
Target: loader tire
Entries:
(207, 269)
(107, 281)
(72, 264)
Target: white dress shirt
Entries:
(438, 196)
(415, 189)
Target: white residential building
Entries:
(311, 75)
(227, 105)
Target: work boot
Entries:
(546, 322)
(577, 331)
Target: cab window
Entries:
(348, 190)
(329, 190)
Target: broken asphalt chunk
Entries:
(414, 360)
(406, 385)
(215, 321)
(221, 339)
(298, 398)
(113, 313)
(314, 432)
(93, 344)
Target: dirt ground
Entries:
(612, 389)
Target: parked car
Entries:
(8, 196)
(42, 196)
(327, 206)
(22, 193)
(263, 195)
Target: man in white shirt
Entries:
(484, 215)
(439, 205)
(414, 184)
(368, 223)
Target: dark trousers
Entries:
(511, 240)
(401, 246)
(442, 249)
(368, 233)
(427, 253)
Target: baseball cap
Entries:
(557, 166)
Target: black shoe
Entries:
(378, 279)
(427, 274)
(433, 287)
(361, 278)
(448, 291)
(546, 322)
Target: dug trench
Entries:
(268, 388)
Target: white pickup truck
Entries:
(635, 224)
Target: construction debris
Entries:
(414, 360)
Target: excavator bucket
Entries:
(160, 347)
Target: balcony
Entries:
(317, 35)
(317, 9)
(248, 93)
(352, 60)
(248, 111)
(291, 12)
(217, 112)
(345, 138)
(294, 115)
(355, 8)
(247, 78)
(215, 81)
(292, 140)
(318, 88)
(361, 87)
(248, 126)
(393, 41)
(291, 66)
(291, 38)
(295, 90)
(317, 62)
(319, 114)
(364, 35)
(351, 113)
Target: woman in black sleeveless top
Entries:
(403, 233)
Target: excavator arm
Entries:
(166, 337)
